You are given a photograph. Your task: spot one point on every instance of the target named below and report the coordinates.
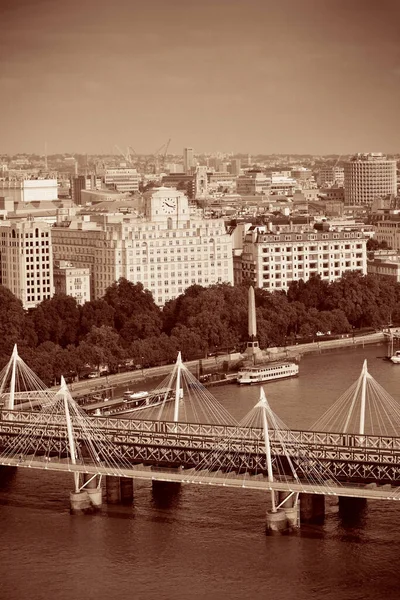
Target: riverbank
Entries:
(317, 347)
(224, 363)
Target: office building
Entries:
(367, 177)
(272, 260)
(253, 183)
(122, 179)
(330, 175)
(166, 249)
(188, 160)
(26, 261)
(72, 280)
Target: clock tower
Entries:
(163, 203)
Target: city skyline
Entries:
(297, 78)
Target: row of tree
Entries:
(126, 326)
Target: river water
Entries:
(204, 543)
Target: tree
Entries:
(95, 313)
(12, 321)
(57, 320)
(129, 300)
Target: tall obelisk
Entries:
(252, 344)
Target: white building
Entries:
(71, 280)
(27, 261)
(367, 177)
(123, 179)
(167, 250)
(30, 190)
(273, 260)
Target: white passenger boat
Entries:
(396, 357)
(269, 372)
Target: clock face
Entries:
(168, 206)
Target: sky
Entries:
(251, 76)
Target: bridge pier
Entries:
(113, 490)
(94, 490)
(119, 490)
(276, 522)
(312, 508)
(288, 502)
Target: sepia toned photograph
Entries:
(199, 300)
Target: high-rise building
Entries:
(188, 160)
(234, 167)
(272, 260)
(167, 249)
(367, 177)
(26, 261)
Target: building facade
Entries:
(188, 160)
(26, 261)
(253, 183)
(30, 190)
(330, 175)
(123, 179)
(367, 177)
(167, 250)
(71, 280)
(272, 260)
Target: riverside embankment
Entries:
(226, 362)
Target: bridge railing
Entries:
(221, 432)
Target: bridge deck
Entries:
(208, 478)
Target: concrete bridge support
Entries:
(80, 503)
(289, 505)
(276, 522)
(94, 490)
(286, 518)
(312, 508)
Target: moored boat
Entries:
(265, 373)
(396, 357)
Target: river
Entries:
(204, 543)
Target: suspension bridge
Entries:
(188, 437)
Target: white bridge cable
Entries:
(29, 390)
(291, 460)
(45, 438)
(382, 412)
(196, 405)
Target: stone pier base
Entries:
(276, 522)
(80, 503)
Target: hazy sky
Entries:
(285, 76)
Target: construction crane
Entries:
(165, 154)
(127, 156)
